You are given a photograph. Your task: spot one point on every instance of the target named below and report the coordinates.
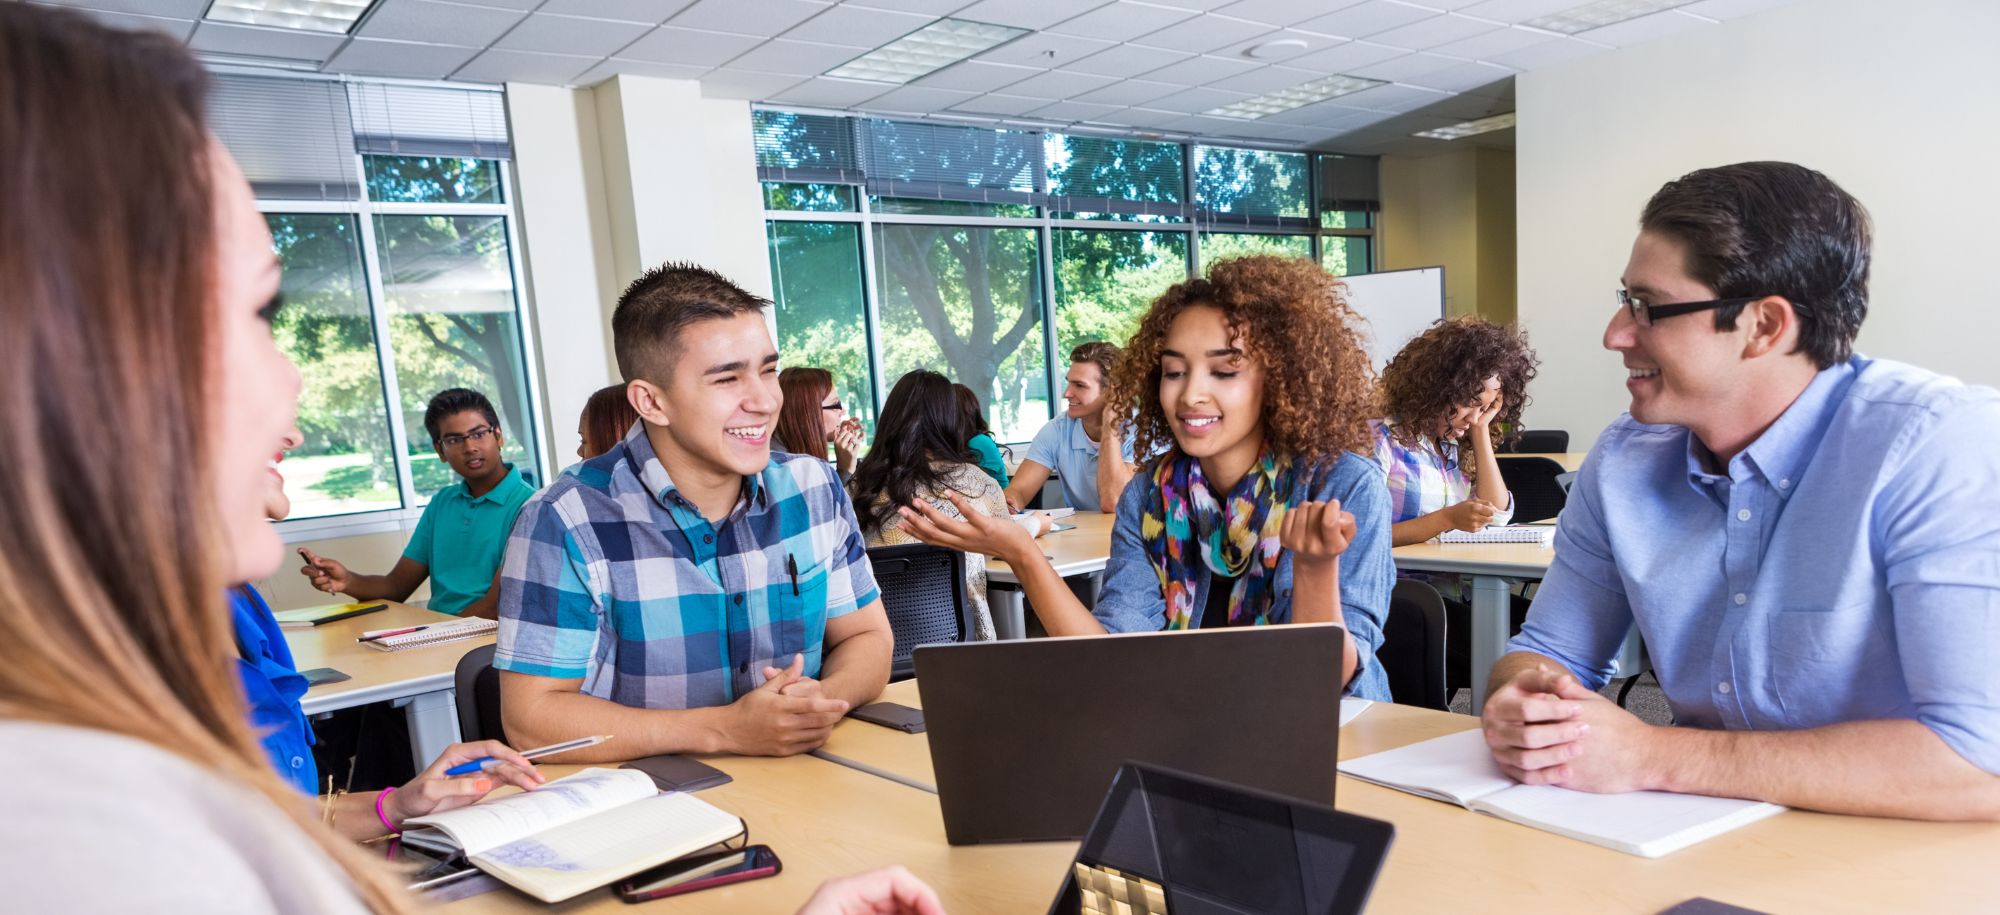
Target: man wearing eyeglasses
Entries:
(1807, 539)
(459, 541)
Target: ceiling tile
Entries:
(920, 99)
(1517, 10)
(225, 38)
(1073, 111)
(570, 35)
(1316, 114)
(1203, 126)
(688, 47)
(1731, 9)
(1266, 130)
(1498, 41)
(1364, 19)
(1141, 117)
(831, 93)
(1306, 42)
(521, 5)
(1267, 79)
(744, 84)
(1393, 98)
(859, 26)
(1001, 104)
(623, 67)
(1284, 12)
(1546, 53)
(1398, 69)
(1058, 84)
(747, 17)
(500, 65)
(439, 23)
(180, 29)
(372, 57)
(1125, 60)
(1205, 33)
(1195, 101)
(1342, 58)
(164, 9)
(1644, 28)
(1121, 21)
(782, 55)
(976, 76)
(651, 12)
(1201, 71)
(1045, 50)
(1130, 92)
(1024, 14)
(1429, 33)
(1461, 107)
(928, 7)
(1462, 77)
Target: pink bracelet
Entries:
(383, 816)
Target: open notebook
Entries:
(434, 634)
(1458, 769)
(1504, 533)
(576, 834)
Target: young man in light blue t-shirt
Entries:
(1071, 444)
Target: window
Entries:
(1343, 255)
(1105, 280)
(1116, 180)
(1217, 246)
(822, 309)
(1251, 187)
(1349, 197)
(428, 179)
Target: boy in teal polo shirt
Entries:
(460, 539)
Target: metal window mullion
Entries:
(1194, 221)
(1049, 346)
(872, 305)
(810, 216)
(524, 319)
(457, 209)
(371, 260)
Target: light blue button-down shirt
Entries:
(1845, 568)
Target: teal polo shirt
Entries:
(461, 540)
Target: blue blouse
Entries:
(273, 688)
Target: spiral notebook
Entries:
(436, 634)
(1505, 533)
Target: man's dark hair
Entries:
(1774, 228)
(647, 324)
(1105, 355)
(452, 401)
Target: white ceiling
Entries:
(1097, 65)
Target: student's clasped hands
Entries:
(785, 716)
(1545, 728)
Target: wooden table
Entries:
(1572, 461)
(1078, 552)
(420, 680)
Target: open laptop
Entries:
(1026, 735)
(1169, 842)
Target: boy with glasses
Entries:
(462, 535)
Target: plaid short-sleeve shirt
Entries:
(1421, 480)
(613, 576)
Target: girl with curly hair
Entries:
(1263, 508)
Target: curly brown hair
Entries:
(1446, 367)
(1294, 320)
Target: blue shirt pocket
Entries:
(800, 624)
(1828, 665)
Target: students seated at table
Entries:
(1804, 536)
(607, 416)
(813, 416)
(459, 538)
(1069, 444)
(982, 442)
(1263, 508)
(919, 454)
(690, 590)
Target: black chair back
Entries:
(1535, 441)
(478, 687)
(1532, 480)
(923, 590)
(1413, 642)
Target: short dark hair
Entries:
(452, 401)
(646, 326)
(1774, 228)
(1105, 355)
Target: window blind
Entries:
(398, 120)
(948, 162)
(805, 148)
(1349, 183)
(1098, 175)
(292, 137)
(1251, 187)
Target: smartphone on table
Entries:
(700, 872)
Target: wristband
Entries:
(383, 816)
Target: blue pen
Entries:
(487, 762)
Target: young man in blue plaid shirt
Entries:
(689, 590)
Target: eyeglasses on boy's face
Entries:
(1645, 314)
(477, 434)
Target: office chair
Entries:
(923, 591)
(1532, 480)
(1412, 652)
(1535, 441)
(478, 688)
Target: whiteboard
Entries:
(1398, 304)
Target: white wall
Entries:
(1893, 101)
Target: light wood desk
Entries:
(1572, 460)
(907, 755)
(418, 679)
(1078, 552)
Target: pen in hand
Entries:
(488, 762)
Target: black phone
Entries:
(673, 772)
(320, 675)
(890, 715)
(699, 872)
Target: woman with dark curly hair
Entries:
(1443, 399)
(1263, 508)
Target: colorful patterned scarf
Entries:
(1238, 539)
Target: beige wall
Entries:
(1894, 101)
(371, 554)
(1455, 210)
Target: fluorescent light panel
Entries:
(1469, 128)
(926, 50)
(1600, 14)
(1318, 90)
(333, 16)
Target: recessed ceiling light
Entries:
(1318, 90)
(926, 50)
(1280, 48)
(1600, 14)
(1469, 128)
(334, 16)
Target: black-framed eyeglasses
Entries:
(1646, 314)
(836, 406)
(476, 435)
